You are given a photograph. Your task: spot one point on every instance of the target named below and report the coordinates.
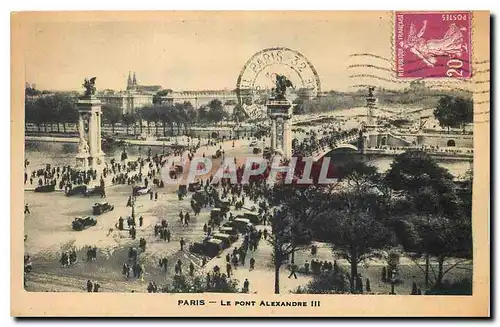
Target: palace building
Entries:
(134, 97)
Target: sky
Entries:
(189, 51)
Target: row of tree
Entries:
(415, 206)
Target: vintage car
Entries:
(182, 190)
(223, 205)
(225, 238)
(256, 150)
(231, 231)
(253, 217)
(101, 207)
(209, 247)
(193, 187)
(179, 169)
(241, 224)
(201, 197)
(216, 216)
(217, 154)
(141, 190)
(45, 188)
(96, 190)
(79, 189)
(82, 223)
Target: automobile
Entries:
(253, 217)
(96, 190)
(102, 207)
(193, 187)
(256, 150)
(141, 190)
(79, 189)
(213, 247)
(240, 224)
(253, 143)
(225, 238)
(179, 169)
(201, 197)
(231, 231)
(217, 154)
(209, 246)
(81, 223)
(45, 188)
(223, 205)
(216, 216)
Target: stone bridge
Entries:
(347, 142)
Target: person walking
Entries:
(293, 270)
(26, 209)
(182, 242)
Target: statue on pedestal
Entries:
(89, 85)
(83, 147)
(282, 83)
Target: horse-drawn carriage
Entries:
(79, 189)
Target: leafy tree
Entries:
(454, 111)
(291, 225)
(438, 237)
(161, 93)
(129, 119)
(216, 113)
(239, 114)
(111, 115)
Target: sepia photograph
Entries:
(242, 163)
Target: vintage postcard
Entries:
(231, 164)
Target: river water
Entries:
(58, 153)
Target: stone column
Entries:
(273, 134)
(287, 140)
(81, 129)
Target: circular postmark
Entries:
(257, 78)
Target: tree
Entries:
(454, 111)
(437, 237)
(425, 187)
(111, 115)
(239, 114)
(216, 112)
(157, 98)
(129, 119)
(291, 225)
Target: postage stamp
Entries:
(433, 44)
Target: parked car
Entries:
(193, 187)
(253, 217)
(82, 223)
(223, 205)
(45, 188)
(241, 224)
(210, 247)
(79, 189)
(141, 190)
(96, 190)
(231, 231)
(256, 150)
(102, 207)
(225, 238)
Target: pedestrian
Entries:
(151, 196)
(90, 286)
(26, 209)
(96, 287)
(141, 219)
(182, 242)
(229, 270)
(156, 196)
(246, 286)
(252, 264)
(191, 269)
(293, 270)
(306, 267)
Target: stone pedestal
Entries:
(90, 154)
(280, 113)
